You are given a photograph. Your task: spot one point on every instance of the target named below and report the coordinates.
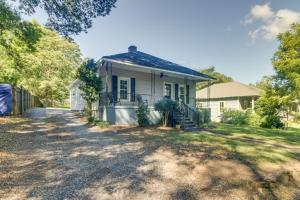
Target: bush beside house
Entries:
(233, 116)
(142, 114)
(237, 117)
(202, 116)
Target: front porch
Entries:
(130, 86)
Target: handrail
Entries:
(186, 111)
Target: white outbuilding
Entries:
(77, 103)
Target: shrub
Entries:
(272, 121)
(206, 115)
(100, 123)
(232, 116)
(269, 108)
(253, 118)
(142, 114)
(88, 115)
(166, 106)
(201, 116)
(296, 117)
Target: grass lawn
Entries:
(272, 155)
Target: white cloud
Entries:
(273, 23)
(263, 12)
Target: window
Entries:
(124, 89)
(181, 93)
(221, 106)
(168, 90)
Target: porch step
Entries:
(186, 122)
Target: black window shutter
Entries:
(132, 86)
(115, 87)
(176, 92)
(187, 94)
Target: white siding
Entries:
(145, 85)
(126, 115)
(231, 103)
(77, 103)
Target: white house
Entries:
(233, 95)
(133, 77)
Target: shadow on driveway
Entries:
(55, 155)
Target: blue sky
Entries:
(237, 37)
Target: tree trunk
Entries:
(89, 109)
(165, 118)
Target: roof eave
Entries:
(200, 78)
(223, 97)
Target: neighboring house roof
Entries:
(230, 89)
(139, 58)
(74, 83)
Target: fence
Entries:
(22, 100)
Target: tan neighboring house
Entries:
(132, 77)
(233, 95)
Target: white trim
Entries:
(220, 106)
(128, 88)
(154, 69)
(184, 92)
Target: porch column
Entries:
(252, 104)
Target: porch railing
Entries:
(132, 99)
(187, 112)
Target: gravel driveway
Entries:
(54, 155)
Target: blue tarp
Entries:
(5, 99)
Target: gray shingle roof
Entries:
(230, 89)
(143, 59)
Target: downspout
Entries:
(208, 94)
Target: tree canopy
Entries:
(265, 83)
(286, 61)
(45, 68)
(69, 16)
(211, 71)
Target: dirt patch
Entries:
(55, 155)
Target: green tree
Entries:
(45, 69)
(90, 84)
(69, 16)
(286, 61)
(16, 37)
(166, 106)
(272, 105)
(52, 66)
(269, 108)
(219, 77)
(265, 83)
